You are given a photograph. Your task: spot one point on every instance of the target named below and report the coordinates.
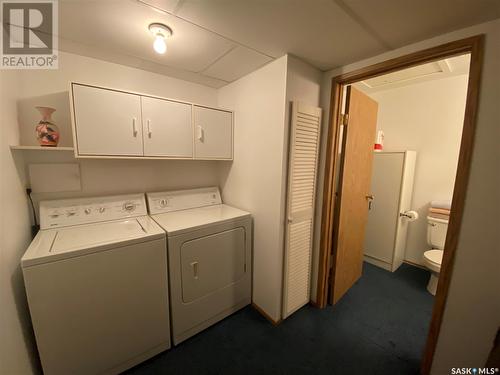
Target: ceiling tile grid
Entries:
(218, 41)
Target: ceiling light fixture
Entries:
(161, 32)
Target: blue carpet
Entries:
(379, 327)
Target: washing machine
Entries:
(209, 255)
(97, 285)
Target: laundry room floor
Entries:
(379, 327)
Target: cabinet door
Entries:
(107, 122)
(213, 133)
(167, 128)
(383, 213)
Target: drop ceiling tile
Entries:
(237, 63)
(121, 27)
(401, 22)
(405, 75)
(135, 62)
(317, 31)
(187, 76)
(165, 5)
(446, 68)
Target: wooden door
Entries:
(107, 122)
(167, 128)
(302, 171)
(353, 191)
(213, 133)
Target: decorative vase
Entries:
(47, 133)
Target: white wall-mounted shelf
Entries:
(40, 148)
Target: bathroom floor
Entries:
(379, 327)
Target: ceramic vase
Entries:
(47, 133)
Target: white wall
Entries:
(428, 118)
(254, 180)
(16, 344)
(50, 88)
(23, 90)
(304, 84)
(472, 313)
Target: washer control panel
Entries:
(66, 212)
(182, 199)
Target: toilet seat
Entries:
(433, 259)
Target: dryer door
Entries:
(211, 263)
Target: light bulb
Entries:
(159, 44)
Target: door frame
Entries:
(330, 212)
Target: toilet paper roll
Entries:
(410, 215)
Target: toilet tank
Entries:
(436, 232)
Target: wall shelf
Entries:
(39, 148)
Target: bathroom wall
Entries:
(472, 313)
(17, 341)
(425, 117)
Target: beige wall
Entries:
(17, 341)
(254, 180)
(472, 313)
(425, 117)
(50, 88)
(23, 90)
(304, 85)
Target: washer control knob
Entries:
(129, 206)
(87, 211)
(102, 209)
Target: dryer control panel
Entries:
(67, 212)
(169, 201)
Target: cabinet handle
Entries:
(134, 129)
(195, 269)
(150, 128)
(199, 136)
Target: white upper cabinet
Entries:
(213, 133)
(167, 128)
(107, 122)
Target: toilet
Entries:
(436, 236)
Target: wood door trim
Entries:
(474, 46)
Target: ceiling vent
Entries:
(410, 74)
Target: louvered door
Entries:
(302, 171)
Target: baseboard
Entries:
(314, 304)
(264, 314)
(414, 264)
(377, 262)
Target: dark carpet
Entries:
(379, 327)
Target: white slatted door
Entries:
(302, 171)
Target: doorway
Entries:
(340, 214)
